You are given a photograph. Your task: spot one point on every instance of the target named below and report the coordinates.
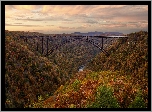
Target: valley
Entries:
(70, 72)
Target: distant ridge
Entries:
(99, 33)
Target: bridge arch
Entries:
(74, 39)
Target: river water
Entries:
(81, 68)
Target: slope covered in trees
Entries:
(131, 58)
(28, 75)
(117, 81)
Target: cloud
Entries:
(36, 30)
(133, 22)
(46, 9)
(49, 25)
(69, 12)
(43, 18)
(60, 9)
(18, 23)
(23, 25)
(29, 19)
(78, 17)
(85, 25)
(65, 27)
(119, 12)
(91, 21)
(79, 27)
(22, 7)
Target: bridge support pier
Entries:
(37, 46)
(102, 42)
(47, 46)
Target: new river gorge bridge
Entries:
(96, 41)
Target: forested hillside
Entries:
(119, 80)
(28, 75)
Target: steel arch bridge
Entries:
(89, 39)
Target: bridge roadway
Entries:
(114, 36)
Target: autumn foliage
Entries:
(119, 80)
(27, 75)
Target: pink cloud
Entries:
(82, 17)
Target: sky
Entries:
(58, 19)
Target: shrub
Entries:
(93, 75)
(138, 102)
(76, 84)
(104, 99)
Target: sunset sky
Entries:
(76, 18)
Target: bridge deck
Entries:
(79, 36)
